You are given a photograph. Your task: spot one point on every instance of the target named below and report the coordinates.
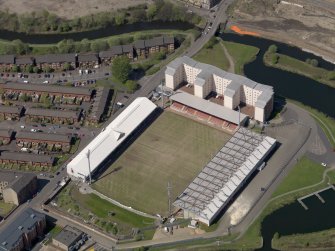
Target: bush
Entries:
(210, 44)
(274, 59)
(314, 62)
(273, 48)
(131, 85)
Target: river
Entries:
(294, 219)
(287, 84)
(51, 38)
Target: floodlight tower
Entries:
(89, 165)
(162, 95)
(239, 116)
(169, 187)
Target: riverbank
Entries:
(286, 193)
(291, 64)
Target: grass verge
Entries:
(291, 64)
(310, 241)
(213, 56)
(5, 208)
(241, 54)
(101, 213)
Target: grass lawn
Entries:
(322, 120)
(306, 172)
(5, 208)
(310, 241)
(213, 56)
(300, 67)
(304, 169)
(173, 149)
(241, 53)
(93, 209)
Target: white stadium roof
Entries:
(110, 138)
(221, 178)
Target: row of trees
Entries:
(70, 46)
(43, 21)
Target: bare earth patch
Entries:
(67, 8)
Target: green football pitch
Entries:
(173, 149)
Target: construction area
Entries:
(172, 150)
(308, 24)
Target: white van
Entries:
(24, 149)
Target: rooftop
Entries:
(47, 88)
(7, 59)
(41, 136)
(16, 181)
(88, 57)
(10, 234)
(24, 60)
(52, 113)
(68, 236)
(111, 137)
(56, 58)
(6, 132)
(208, 107)
(10, 109)
(27, 157)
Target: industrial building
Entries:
(236, 90)
(224, 175)
(111, 137)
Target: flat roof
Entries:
(47, 88)
(52, 113)
(42, 136)
(208, 107)
(11, 234)
(68, 236)
(110, 138)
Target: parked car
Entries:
(46, 82)
(33, 130)
(22, 126)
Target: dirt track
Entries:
(304, 23)
(67, 8)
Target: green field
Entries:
(241, 54)
(291, 64)
(173, 149)
(213, 56)
(5, 208)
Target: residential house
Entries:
(6, 136)
(99, 106)
(76, 94)
(22, 232)
(23, 61)
(7, 62)
(11, 112)
(56, 62)
(44, 141)
(88, 61)
(17, 188)
(52, 116)
(128, 50)
(20, 158)
(140, 49)
(107, 57)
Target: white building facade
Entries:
(234, 88)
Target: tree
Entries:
(15, 68)
(29, 68)
(120, 18)
(121, 68)
(274, 58)
(35, 69)
(131, 85)
(273, 48)
(151, 12)
(314, 62)
(66, 67)
(47, 69)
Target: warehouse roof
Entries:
(208, 107)
(110, 138)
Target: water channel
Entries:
(51, 38)
(289, 85)
(294, 219)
